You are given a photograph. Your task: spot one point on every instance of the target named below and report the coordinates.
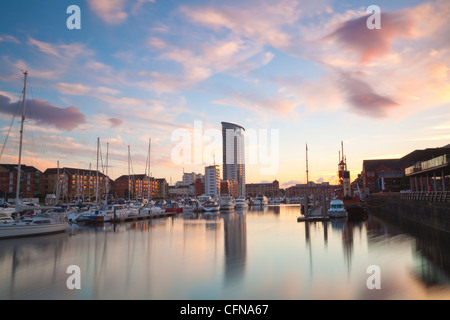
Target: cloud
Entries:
(362, 98)
(110, 11)
(115, 122)
(368, 43)
(115, 12)
(260, 21)
(9, 38)
(45, 113)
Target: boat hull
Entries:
(337, 213)
(23, 230)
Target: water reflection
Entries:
(259, 252)
(235, 245)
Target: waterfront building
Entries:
(269, 189)
(74, 183)
(407, 172)
(31, 182)
(212, 181)
(189, 178)
(382, 175)
(162, 190)
(229, 187)
(234, 155)
(135, 186)
(200, 186)
(315, 190)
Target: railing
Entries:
(429, 196)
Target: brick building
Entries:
(268, 189)
(30, 181)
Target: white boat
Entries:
(227, 202)
(134, 209)
(105, 213)
(191, 206)
(37, 224)
(152, 209)
(211, 206)
(241, 203)
(260, 200)
(337, 209)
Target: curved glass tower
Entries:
(234, 154)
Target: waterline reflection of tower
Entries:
(234, 154)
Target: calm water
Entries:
(255, 254)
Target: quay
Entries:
(148, 216)
(312, 218)
(431, 209)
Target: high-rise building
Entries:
(234, 154)
(212, 181)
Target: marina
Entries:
(256, 253)
(156, 153)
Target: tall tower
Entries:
(234, 154)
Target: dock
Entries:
(147, 216)
(313, 218)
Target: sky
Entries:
(295, 74)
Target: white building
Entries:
(189, 178)
(212, 181)
(234, 154)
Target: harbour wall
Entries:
(403, 210)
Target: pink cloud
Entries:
(353, 35)
(115, 122)
(110, 11)
(45, 113)
(363, 99)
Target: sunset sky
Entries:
(309, 71)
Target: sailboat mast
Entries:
(106, 177)
(57, 183)
(129, 177)
(149, 175)
(96, 184)
(21, 136)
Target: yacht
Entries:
(241, 203)
(211, 206)
(337, 209)
(41, 223)
(37, 224)
(260, 200)
(227, 202)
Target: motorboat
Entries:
(241, 203)
(337, 209)
(227, 202)
(260, 200)
(211, 206)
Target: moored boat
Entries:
(241, 203)
(36, 224)
(337, 209)
(211, 206)
(260, 200)
(227, 202)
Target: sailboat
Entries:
(41, 223)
